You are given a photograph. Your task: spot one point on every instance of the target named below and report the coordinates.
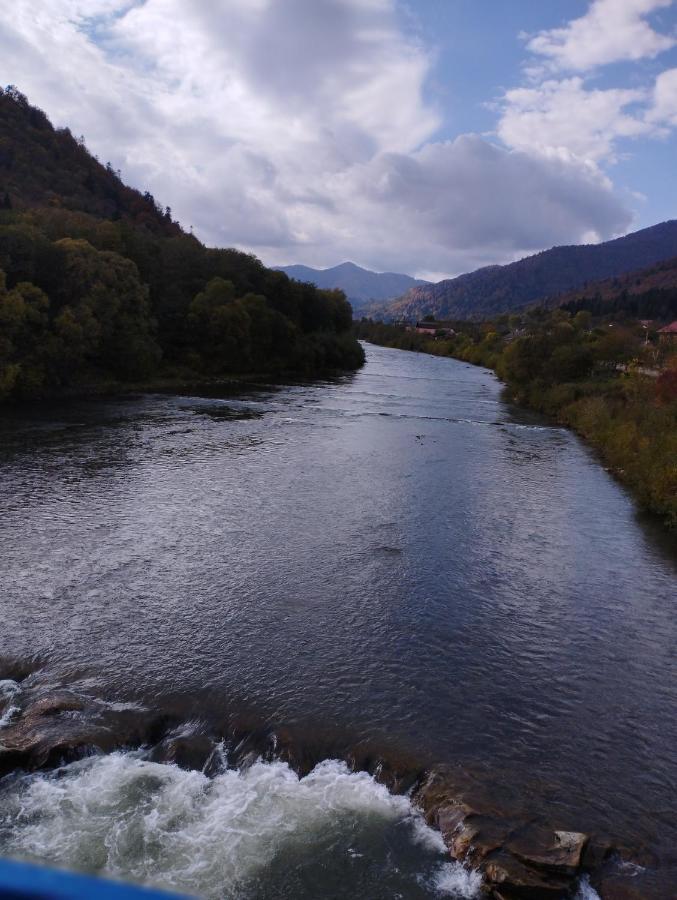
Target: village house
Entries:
(669, 332)
(435, 329)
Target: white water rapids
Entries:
(226, 836)
(8, 691)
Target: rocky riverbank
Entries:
(519, 856)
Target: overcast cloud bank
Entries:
(301, 129)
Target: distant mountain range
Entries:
(361, 286)
(539, 278)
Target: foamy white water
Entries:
(586, 891)
(456, 881)
(258, 832)
(8, 691)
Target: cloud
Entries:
(664, 106)
(459, 204)
(566, 117)
(300, 129)
(610, 31)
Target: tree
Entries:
(582, 320)
(568, 362)
(220, 327)
(109, 317)
(522, 361)
(23, 327)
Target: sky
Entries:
(429, 136)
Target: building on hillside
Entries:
(435, 329)
(669, 333)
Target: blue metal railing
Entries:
(23, 881)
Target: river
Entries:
(397, 563)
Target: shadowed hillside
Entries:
(649, 293)
(497, 289)
(45, 166)
(99, 286)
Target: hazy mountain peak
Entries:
(347, 266)
(361, 286)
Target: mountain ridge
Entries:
(497, 289)
(361, 286)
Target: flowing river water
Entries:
(396, 564)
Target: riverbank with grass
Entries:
(610, 381)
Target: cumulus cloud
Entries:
(299, 129)
(664, 107)
(610, 31)
(558, 114)
(567, 117)
(468, 202)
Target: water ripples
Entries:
(398, 556)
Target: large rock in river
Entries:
(519, 859)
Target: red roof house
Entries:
(669, 332)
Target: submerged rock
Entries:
(515, 879)
(57, 725)
(518, 859)
(551, 851)
(50, 728)
(626, 884)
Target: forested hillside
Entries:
(99, 285)
(497, 289)
(44, 166)
(649, 293)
